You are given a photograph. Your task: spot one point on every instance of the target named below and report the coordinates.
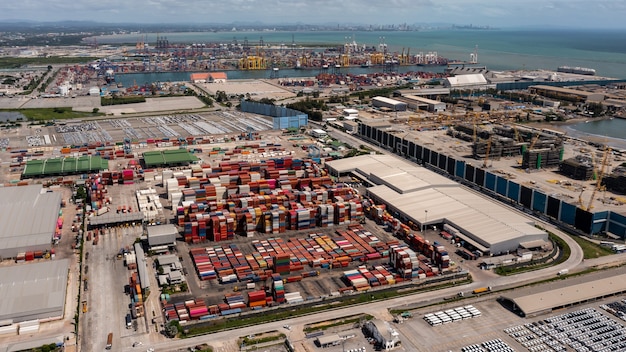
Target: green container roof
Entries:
(168, 157)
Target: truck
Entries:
(562, 272)
(109, 341)
(481, 290)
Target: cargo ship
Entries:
(577, 70)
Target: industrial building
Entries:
(161, 237)
(529, 302)
(142, 270)
(28, 219)
(170, 157)
(172, 270)
(420, 103)
(64, 166)
(33, 291)
(574, 95)
(467, 81)
(391, 104)
(385, 337)
(427, 198)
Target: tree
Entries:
(95, 110)
(172, 329)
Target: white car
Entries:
(287, 327)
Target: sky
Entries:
(493, 13)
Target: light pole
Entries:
(425, 220)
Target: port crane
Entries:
(603, 165)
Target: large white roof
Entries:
(28, 216)
(428, 197)
(466, 80)
(33, 291)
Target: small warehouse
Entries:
(350, 114)
(33, 291)
(329, 340)
(172, 157)
(415, 102)
(318, 133)
(391, 104)
(533, 301)
(161, 237)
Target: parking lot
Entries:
(110, 130)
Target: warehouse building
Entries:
(384, 336)
(28, 219)
(161, 237)
(172, 157)
(467, 81)
(544, 299)
(414, 102)
(391, 104)
(424, 197)
(144, 279)
(33, 291)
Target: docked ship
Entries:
(577, 70)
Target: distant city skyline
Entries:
(492, 13)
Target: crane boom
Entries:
(605, 159)
(487, 152)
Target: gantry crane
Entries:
(605, 162)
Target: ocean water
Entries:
(602, 50)
(612, 132)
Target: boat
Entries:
(325, 66)
(577, 70)
(366, 64)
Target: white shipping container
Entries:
(8, 329)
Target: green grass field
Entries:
(590, 249)
(49, 114)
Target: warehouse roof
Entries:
(428, 197)
(28, 216)
(564, 293)
(466, 80)
(33, 291)
(144, 279)
(69, 165)
(388, 101)
(329, 340)
(423, 100)
(162, 234)
(115, 218)
(168, 157)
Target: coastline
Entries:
(566, 127)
